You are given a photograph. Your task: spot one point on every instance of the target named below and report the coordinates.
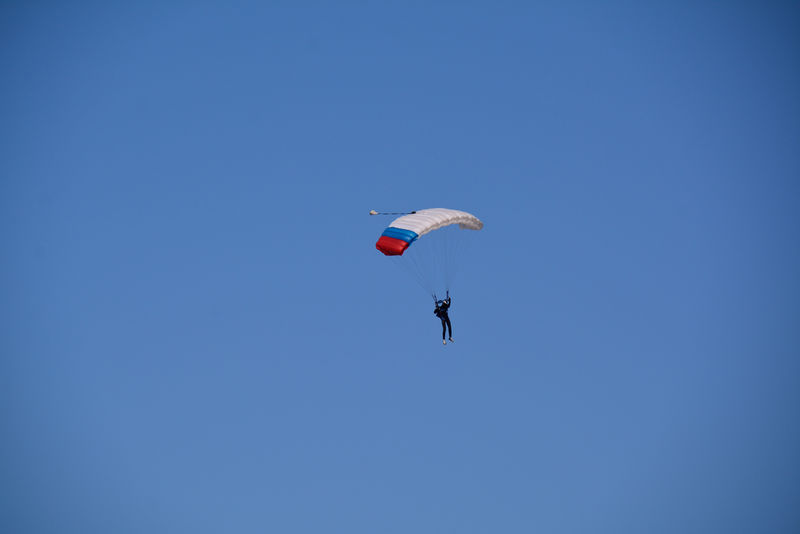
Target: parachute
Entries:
(439, 244)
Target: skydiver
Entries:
(441, 312)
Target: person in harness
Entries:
(441, 312)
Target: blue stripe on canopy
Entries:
(398, 233)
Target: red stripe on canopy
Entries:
(391, 246)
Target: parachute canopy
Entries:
(406, 229)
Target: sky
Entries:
(199, 335)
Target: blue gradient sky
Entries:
(199, 336)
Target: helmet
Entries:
(439, 302)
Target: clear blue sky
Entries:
(198, 334)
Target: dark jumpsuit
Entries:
(441, 313)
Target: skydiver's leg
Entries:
(444, 327)
(449, 327)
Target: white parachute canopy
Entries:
(425, 221)
(430, 244)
